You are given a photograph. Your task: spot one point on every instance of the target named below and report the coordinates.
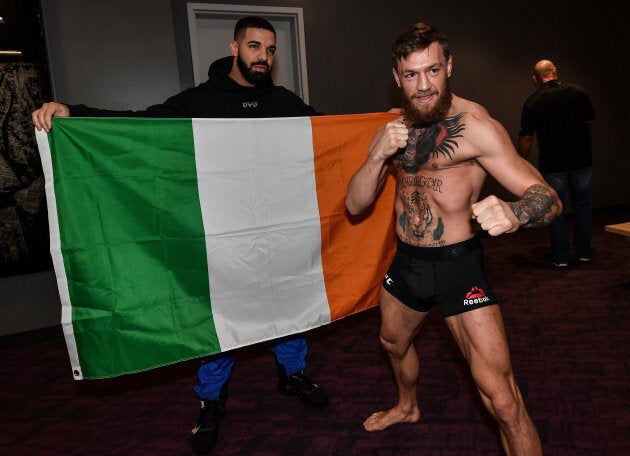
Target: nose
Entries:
(423, 83)
(262, 54)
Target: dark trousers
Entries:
(578, 184)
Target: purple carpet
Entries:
(568, 332)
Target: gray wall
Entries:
(124, 54)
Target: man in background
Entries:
(561, 116)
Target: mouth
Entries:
(424, 97)
(261, 67)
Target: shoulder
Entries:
(459, 104)
(577, 89)
(190, 93)
(541, 95)
(482, 131)
(469, 111)
(472, 114)
(292, 102)
(284, 92)
(570, 85)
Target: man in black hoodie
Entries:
(238, 86)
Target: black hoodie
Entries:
(219, 97)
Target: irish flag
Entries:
(178, 238)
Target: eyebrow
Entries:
(424, 68)
(273, 46)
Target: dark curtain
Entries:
(24, 245)
(24, 86)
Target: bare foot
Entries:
(382, 420)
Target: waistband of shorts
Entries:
(446, 252)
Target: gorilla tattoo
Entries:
(423, 143)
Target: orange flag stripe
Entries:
(356, 251)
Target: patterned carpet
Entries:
(568, 333)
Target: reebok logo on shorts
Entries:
(475, 296)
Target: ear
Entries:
(234, 48)
(449, 66)
(396, 78)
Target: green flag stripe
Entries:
(132, 242)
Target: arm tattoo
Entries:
(537, 207)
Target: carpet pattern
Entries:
(568, 332)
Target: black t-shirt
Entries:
(557, 113)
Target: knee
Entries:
(506, 407)
(392, 345)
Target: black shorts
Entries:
(451, 277)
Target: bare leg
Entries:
(399, 326)
(481, 337)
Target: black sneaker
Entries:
(558, 263)
(298, 384)
(205, 434)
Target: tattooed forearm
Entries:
(538, 207)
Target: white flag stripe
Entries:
(263, 240)
(55, 252)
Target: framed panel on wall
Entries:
(211, 28)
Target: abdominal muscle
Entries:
(433, 206)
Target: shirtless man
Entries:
(441, 149)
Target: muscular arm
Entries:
(538, 206)
(538, 203)
(368, 180)
(365, 185)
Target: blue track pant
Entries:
(215, 370)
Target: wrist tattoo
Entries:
(537, 207)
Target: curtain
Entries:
(24, 246)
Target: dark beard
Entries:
(432, 116)
(254, 77)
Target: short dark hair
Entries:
(417, 38)
(251, 22)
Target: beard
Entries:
(429, 116)
(257, 78)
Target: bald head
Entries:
(544, 71)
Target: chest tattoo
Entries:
(431, 142)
